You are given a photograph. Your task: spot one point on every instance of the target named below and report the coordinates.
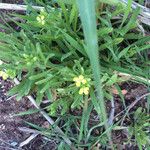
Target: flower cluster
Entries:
(41, 19)
(83, 83)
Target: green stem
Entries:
(83, 119)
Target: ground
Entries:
(10, 135)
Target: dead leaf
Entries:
(115, 91)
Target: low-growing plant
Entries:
(140, 128)
(50, 58)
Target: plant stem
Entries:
(83, 118)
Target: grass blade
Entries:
(88, 19)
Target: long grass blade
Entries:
(88, 19)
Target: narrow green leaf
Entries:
(64, 10)
(47, 85)
(123, 52)
(73, 13)
(28, 112)
(74, 43)
(43, 80)
(132, 23)
(127, 11)
(104, 31)
(38, 76)
(88, 18)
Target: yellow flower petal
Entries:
(81, 77)
(75, 79)
(43, 22)
(4, 76)
(78, 84)
(84, 81)
(86, 90)
(42, 17)
(81, 91)
(38, 18)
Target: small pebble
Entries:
(14, 144)
(2, 127)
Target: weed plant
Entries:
(71, 53)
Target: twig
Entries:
(28, 130)
(132, 105)
(3, 141)
(141, 28)
(46, 116)
(130, 76)
(28, 140)
(33, 131)
(9, 148)
(144, 10)
(111, 117)
(11, 97)
(17, 7)
(144, 15)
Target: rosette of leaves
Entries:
(44, 56)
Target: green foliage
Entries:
(49, 51)
(140, 128)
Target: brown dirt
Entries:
(13, 1)
(10, 135)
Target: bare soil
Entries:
(10, 135)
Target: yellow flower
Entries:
(84, 90)
(41, 19)
(81, 91)
(81, 82)
(84, 81)
(78, 84)
(78, 79)
(75, 79)
(4, 75)
(42, 10)
(81, 77)
(1, 73)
